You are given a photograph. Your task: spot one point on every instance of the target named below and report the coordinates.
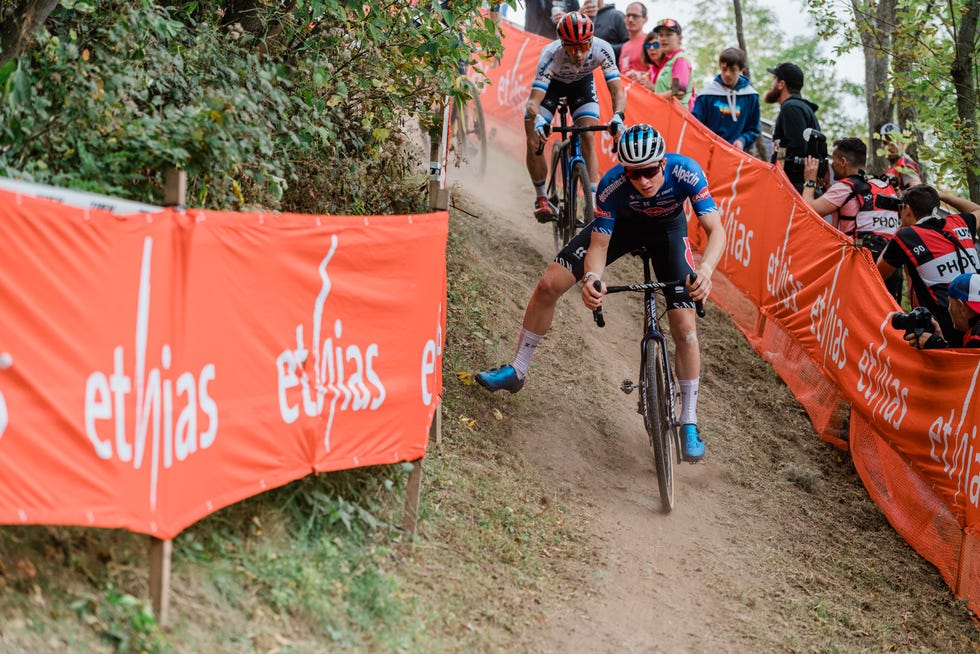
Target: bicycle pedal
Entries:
(628, 386)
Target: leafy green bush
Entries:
(114, 93)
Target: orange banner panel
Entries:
(156, 367)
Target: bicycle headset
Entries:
(641, 145)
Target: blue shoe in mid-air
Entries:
(692, 445)
(503, 378)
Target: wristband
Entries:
(591, 273)
(810, 184)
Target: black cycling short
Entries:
(578, 94)
(665, 239)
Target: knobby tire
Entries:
(471, 131)
(555, 186)
(659, 426)
(580, 208)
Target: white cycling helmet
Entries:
(641, 145)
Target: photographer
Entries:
(934, 250)
(863, 209)
(964, 308)
(796, 113)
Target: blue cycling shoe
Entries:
(503, 378)
(693, 446)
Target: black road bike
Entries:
(657, 385)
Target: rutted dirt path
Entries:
(773, 544)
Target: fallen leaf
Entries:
(465, 377)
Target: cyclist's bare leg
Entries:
(589, 152)
(687, 356)
(540, 311)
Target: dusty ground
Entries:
(773, 544)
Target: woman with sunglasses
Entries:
(639, 202)
(565, 71)
(672, 65)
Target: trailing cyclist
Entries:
(565, 70)
(640, 202)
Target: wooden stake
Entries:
(160, 553)
(412, 492)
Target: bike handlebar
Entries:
(578, 129)
(648, 286)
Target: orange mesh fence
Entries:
(813, 305)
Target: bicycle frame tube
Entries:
(652, 332)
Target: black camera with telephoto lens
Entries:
(917, 320)
(816, 147)
(888, 202)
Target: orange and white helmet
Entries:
(575, 29)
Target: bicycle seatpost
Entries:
(698, 305)
(597, 313)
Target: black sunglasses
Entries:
(646, 173)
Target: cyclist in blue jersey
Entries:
(640, 202)
(565, 70)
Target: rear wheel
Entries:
(656, 391)
(470, 131)
(555, 188)
(579, 210)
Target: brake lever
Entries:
(597, 312)
(698, 304)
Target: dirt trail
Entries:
(772, 533)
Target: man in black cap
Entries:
(795, 114)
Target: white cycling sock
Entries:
(689, 401)
(539, 187)
(525, 350)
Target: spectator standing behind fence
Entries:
(796, 113)
(729, 106)
(904, 170)
(631, 54)
(863, 209)
(673, 65)
(651, 55)
(540, 16)
(610, 25)
(964, 309)
(934, 249)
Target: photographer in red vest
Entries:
(934, 250)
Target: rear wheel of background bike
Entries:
(554, 190)
(655, 390)
(580, 204)
(470, 131)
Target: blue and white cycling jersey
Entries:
(683, 179)
(555, 65)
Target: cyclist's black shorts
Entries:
(665, 239)
(578, 93)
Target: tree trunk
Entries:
(875, 26)
(962, 73)
(740, 35)
(18, 25)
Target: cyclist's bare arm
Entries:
(533, 106)
(617, 94)
(595, 262)
(962, 205)
(713, 251)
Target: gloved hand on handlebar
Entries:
(542, 126)
(616, 124)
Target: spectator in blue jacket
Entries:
(729, 106)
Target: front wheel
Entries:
(579, 206)
(656, 402)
